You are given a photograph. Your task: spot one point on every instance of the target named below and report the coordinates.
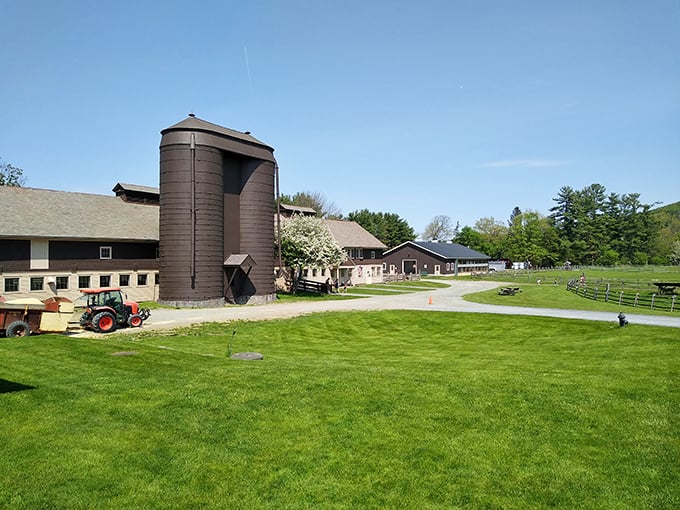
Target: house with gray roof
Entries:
(364, 262)
(57, 242)
(427, 257)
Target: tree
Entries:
(439, 229)
(494, 233)
(324, 208)
(11, 175)
(472, 239)
(531, 237)
(389, 228)
(307, 241)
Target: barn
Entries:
(428, 257)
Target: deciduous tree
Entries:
(11, 175)
(306, 241)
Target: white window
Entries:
(104, 252)
(40, 254)
(37, 283)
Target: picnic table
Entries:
(508, 291)
(667, 287)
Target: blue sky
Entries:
(457, 108)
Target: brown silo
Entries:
(216, 210)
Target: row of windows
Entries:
(358, 253)
(37, 283)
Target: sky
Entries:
(459, 108)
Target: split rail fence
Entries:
(611, 293)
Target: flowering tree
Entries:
(307, 241)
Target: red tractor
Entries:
(107, 311)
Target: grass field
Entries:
(385, 409)
(552, 293)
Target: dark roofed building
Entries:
(137, 194)
(418, 257)
(56, 242)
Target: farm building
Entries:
(216, 209)
(57, 242)
(421, 257)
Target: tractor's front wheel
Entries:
(135, 321)
(104, 322)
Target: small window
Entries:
(11, 284)
(372, 254)
(384, 266)
(37, 283)
(142, 279)
(123, 280)
(104, 252)
(83, 282)
(105, 280)
(157, 278)
(62, 282)
(314, 271)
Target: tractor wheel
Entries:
(104, 322)
(135, 321)
(17, 329)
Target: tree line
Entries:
(585, 227)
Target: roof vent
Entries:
(247, 132)
(192, 115)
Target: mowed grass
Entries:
(390, 409)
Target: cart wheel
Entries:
(18, 329)
(104, 322)
(135, 321)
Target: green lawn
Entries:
(387, 409)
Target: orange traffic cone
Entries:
(430, 302)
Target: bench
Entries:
(508, 291)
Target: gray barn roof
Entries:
(30, 213)
(349, 234)
(444, 250)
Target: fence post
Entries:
(595, 293)
(606, 294)
(652, 305)
(672, 303)
(637, 296)
(620, 297)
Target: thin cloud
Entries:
(523, 163)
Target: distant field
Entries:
(391, 409)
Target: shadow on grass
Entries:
(11, 387)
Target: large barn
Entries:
(427, 257)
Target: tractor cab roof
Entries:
(100, 290)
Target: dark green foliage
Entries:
(389, 228)
(11, 175)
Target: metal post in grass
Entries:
(652, 305)
(606, 294)
(672, 303)
(620, 297)
(637, 298)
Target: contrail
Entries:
(250, 81)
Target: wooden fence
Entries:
(625, 294)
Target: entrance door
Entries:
(409, 266)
